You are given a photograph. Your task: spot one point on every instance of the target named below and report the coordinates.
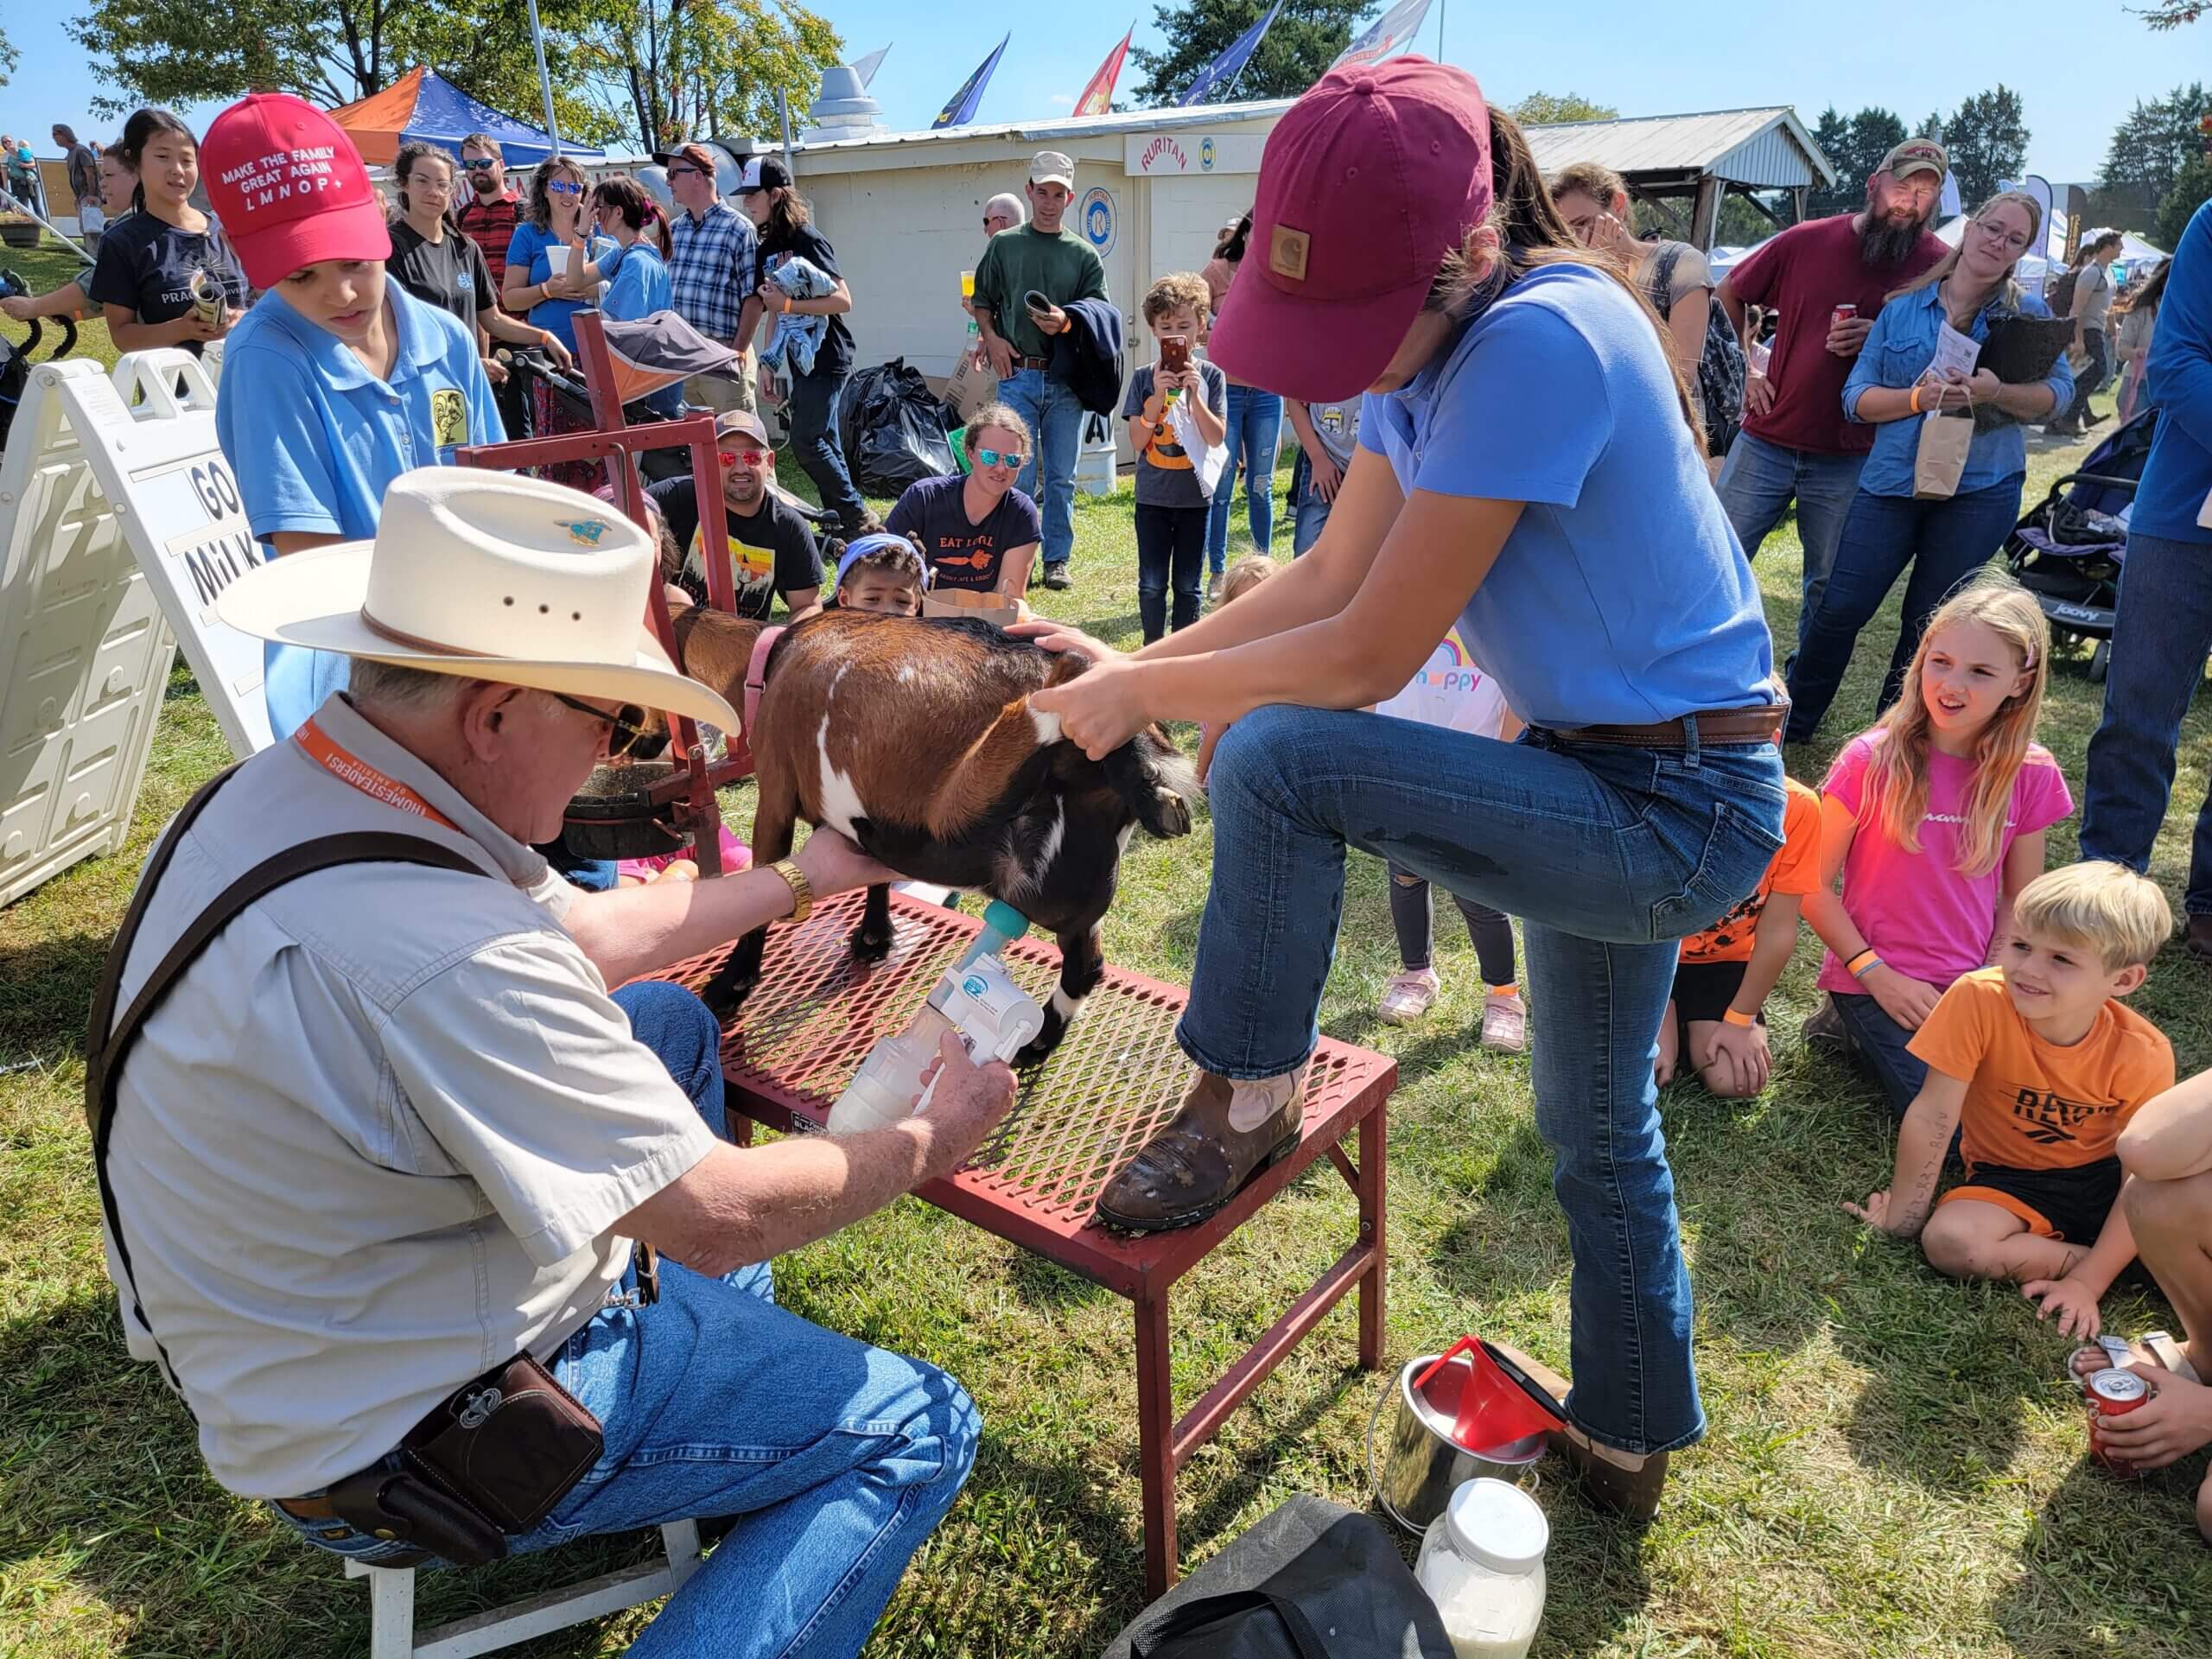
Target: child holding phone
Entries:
(1172, 501)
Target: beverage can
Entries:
(207, 296)
(1842, 313)
(2114, 1393)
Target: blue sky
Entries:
(1643, 58)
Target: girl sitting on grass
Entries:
(1934, 819)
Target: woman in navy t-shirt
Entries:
(978, 532)
(1528, 470)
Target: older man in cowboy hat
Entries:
(383, 1138)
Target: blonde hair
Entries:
(1246, 574)
(1175, 290)
(1896, 776)
(2105, 907)
(2004, 285)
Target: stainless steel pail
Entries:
(1420, 1464)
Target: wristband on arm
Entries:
(1735, 1017)
(1863, 964)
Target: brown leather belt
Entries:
(1760, 725)
(1034, 362)
(307, 1509)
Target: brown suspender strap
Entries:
(108, 1041)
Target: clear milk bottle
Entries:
(1482, 1563)
(977, 998)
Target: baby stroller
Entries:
(15, 360)
(2068, 549)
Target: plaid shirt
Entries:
(717, 266)
(491, 226)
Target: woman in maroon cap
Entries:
(1529, 470)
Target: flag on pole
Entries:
(1230, 63)
(865, 68)
(1098, 97)
(961, 108)
(1392, 32)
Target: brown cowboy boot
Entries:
(1201, 1160)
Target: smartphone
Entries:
(1174, 353)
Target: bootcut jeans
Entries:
(1608, 855)
(840, 1457)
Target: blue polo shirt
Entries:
(2177, 379)
(1622, 596)
(315, 439)
(636, 287)
(1898, 351)
(534, 247)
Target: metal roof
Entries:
(1768, 148)
(1028, 132)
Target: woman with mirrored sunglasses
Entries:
(978, 532)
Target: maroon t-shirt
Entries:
(1804, 274)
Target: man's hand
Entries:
(1848, 334)
(1049, 320)
(832, 864)
(2176, 1420)
(969, 1103)
(999, 350)
(1905, 999)
(1741, 1054)
(2072, 1301)
(1875, 1212)
(1758, 393)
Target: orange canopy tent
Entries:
(423, 104)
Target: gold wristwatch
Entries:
(802, 889)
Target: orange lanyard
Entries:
(349, 768)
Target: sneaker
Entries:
(1505, 1023)
(1826, 1025)
(1408, 996)
(1213, 590)
(1057, 577)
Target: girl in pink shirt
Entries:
(1934, 819)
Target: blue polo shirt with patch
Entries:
(315, 439)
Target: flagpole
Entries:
(545, 79)
(1441, 5)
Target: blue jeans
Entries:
(1876, 1043)
(1756, 483)
(1309, 512)
(2160, 639)
(2092, 378)
(1608, 855)
(1943, 542)
(1254, 431)
(1055, 439)
(1171, 551)
(814, 440)
(714, 1401)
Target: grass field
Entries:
(1895, 1466)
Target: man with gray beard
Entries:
(1795, 442)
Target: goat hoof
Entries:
(869, 947)
(724, 999)
(1039, 1051)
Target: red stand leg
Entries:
(1374, 1139)
(1156, 1443)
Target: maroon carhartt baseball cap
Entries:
(1366, 183)
(289, 188)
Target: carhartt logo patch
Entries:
(1287, 251)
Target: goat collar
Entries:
(756, 674)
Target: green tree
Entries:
(2192, 188)
(6, 57)
(1548, 109)
(2152, 143)
(1988, 139)
(661, 70)
(1299, 46)
(1855, 146)
(2172, 14)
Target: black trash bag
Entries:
(1311, 1580)
(892, 430)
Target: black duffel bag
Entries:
(1311, 1580)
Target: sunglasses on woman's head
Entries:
(628, 724)
(998, 458)
(750, 457)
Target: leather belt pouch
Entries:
(509, 1444)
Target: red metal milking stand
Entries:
(690, 786)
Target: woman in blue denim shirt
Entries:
(1528, 470)
(1892, 385)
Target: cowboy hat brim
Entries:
(313, 600)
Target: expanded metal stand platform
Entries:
(1078, 1119)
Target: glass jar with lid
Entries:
(1482, 1563)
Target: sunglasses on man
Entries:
(477, 163)
(750, 457)
(628, 724)
(684, 172)
(999, 458)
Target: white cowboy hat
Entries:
(486, 574)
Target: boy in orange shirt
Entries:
(1723, 975)
(2039, 1067)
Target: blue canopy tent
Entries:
(423, 106)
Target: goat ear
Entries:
(1066, 666)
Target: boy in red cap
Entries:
(337, 381)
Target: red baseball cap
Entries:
(289, 188)
(1366, 183)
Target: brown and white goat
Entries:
(916, 738)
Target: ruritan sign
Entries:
(1190, 154)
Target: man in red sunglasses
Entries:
(772, 546)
